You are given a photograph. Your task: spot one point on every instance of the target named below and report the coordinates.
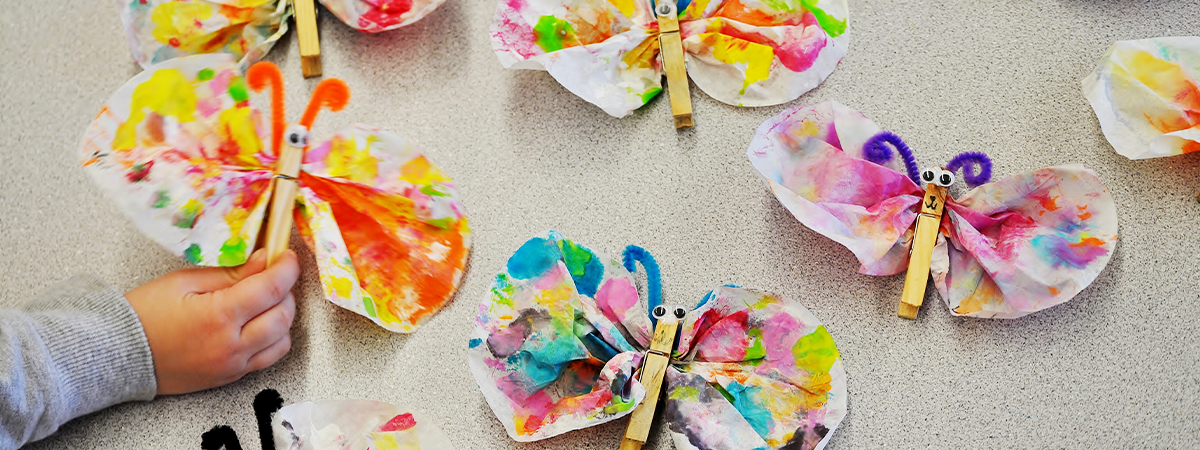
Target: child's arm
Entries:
(82, 346)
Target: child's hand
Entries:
(210, 326)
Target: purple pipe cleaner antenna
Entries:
(969, 162)
(875, 151)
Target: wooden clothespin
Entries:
(654, 369)
(929, 223)
(670, 45)
(290, 145)
(279, 222)
(306, 33)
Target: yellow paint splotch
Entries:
(168, 93)
(347, 160)
(419, 171)
(237, 127)
(754, 59)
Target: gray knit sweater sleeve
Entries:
(74, 350)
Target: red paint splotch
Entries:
(399, 423)
(386, 13)
(139, 172)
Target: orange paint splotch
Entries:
(1088, 242)
(1190, 146)
(392, 250)
(1050, 203)
(1053, 290)
(738, 11)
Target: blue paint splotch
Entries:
(533, 259)
(743, 400)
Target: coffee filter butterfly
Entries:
(330, 424)
(1004, 249)
(1146, 96)
(159, 30)
(740, 52)
(558, 346)
(186, 157)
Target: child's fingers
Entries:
(212, 279)
(261, 291)
(269, 326)
(269, 355)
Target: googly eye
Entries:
(945, 178)
(929, 175)
(659, 312)
(679, 313)
(296, 136)
(665, 8)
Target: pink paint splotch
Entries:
(512, 32)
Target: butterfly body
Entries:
(925, 234)
(193, 164)
(160, 30)
(654, 369)
(1005, 249)
(614, 54)
(670, 45)
(562, 344)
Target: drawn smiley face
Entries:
(939, 177)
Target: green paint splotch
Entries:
(233, 252)
(237, 89)
(827, 22)
(503, 290)
(551, 31)
(192, 254)
(186, 216)
(584, 266)
(369, 305)
(649, 94)
(433, 191)
(816, 352)
(205, 74)
(688, 393)
(830, 24)
(756, 350)
(618, 406)
(162, 198)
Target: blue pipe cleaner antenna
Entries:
(634, 254)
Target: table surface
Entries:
(1117, 366)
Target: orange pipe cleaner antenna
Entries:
(259, 76)
(331, 93)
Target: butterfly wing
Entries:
(760, 372)
(546, 351)
(811, 159)
(355, 425)
(386, 225)
(181, 152)
(159, 30)
(760, 53)
(374, 16)
(1146, 96)
(602, 51)
(1025, 243)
